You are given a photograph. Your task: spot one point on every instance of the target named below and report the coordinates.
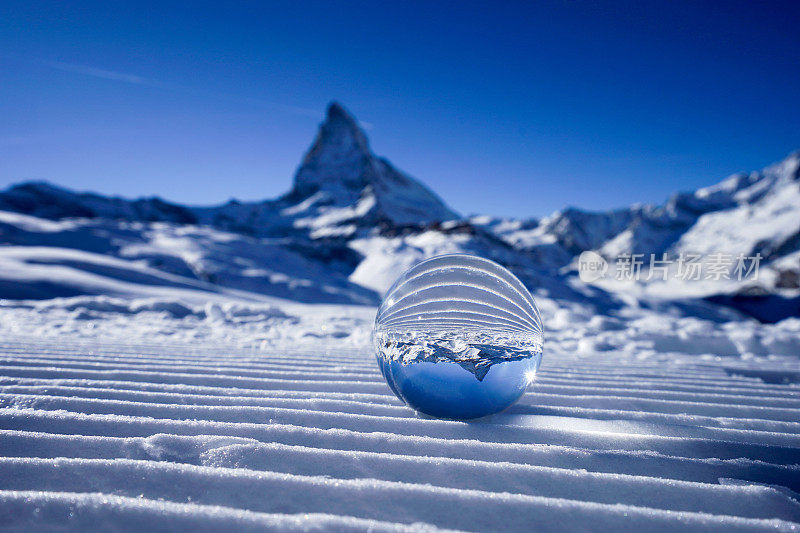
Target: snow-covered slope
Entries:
(187, 409)
(119, 428)
(46, 259)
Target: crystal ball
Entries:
(459, 337)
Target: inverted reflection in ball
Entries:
(458, 336)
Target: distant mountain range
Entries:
(352, 222)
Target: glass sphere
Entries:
(458, 336)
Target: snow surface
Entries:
(160, 413)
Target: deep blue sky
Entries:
(511, 109)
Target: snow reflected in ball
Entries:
(459, 337)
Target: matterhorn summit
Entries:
(340, 181)
(339, 159)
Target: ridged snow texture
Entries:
(123, 438)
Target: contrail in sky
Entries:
(143, 81)
(113, 75)
(135, 79)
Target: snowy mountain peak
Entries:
(340, 171)
(338, 158)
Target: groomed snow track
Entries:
(158, 438)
